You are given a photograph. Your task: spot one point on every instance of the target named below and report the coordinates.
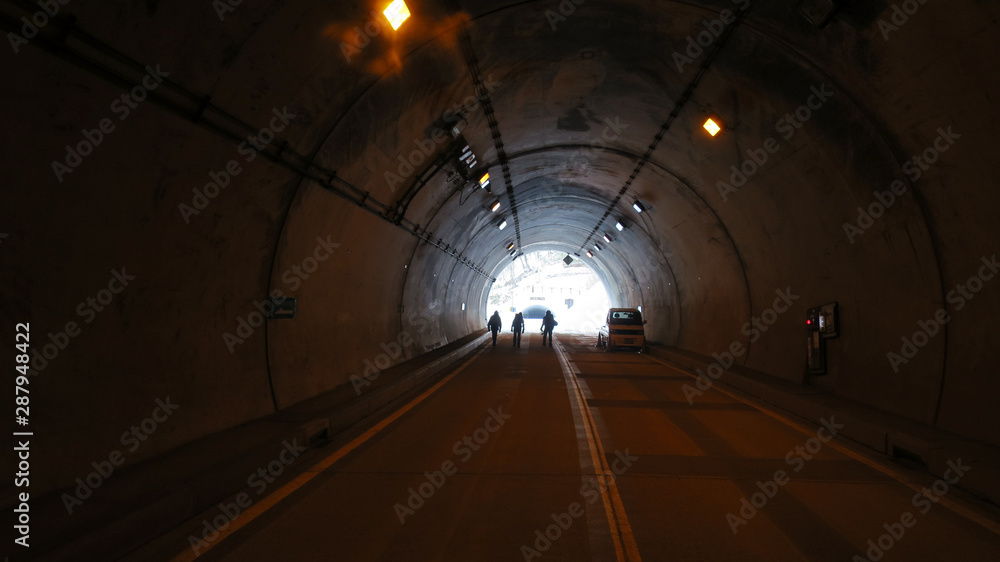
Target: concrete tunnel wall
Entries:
(709, 264)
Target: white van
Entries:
(623, 328)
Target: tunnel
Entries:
(231, 225)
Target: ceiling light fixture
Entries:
(608, 238)
(619, 226)
(712, 126)
(396, 13)
(496, 206)
(503, 224)
(639, 207)
(590, 254)
(468, 157)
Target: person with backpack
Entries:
(548, 324)
(494, 325)
(518, 328)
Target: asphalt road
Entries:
(572, 454)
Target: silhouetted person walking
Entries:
(548, 324)
(518, 328)
(495, 325)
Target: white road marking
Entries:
(946, 500)
(272, 499)
(621, 530)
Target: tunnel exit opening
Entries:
(541, 280)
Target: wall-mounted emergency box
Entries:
(828, 320)
(822, 323)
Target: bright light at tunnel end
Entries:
(396, 13)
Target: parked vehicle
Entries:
(624, 327)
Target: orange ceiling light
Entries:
(396, 13)
(712, 126)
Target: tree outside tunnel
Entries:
(542, 280)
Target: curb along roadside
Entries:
(197, 494)
(932, 447)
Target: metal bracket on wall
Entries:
(282, 308)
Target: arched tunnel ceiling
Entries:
(568, 102)
(577, 112)
(579, 92)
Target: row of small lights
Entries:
(713, 128)
(397, 12)
(710, 125)
(639, 208)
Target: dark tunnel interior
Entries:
(172, 171)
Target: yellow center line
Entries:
(626, 548)
(272, 499)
